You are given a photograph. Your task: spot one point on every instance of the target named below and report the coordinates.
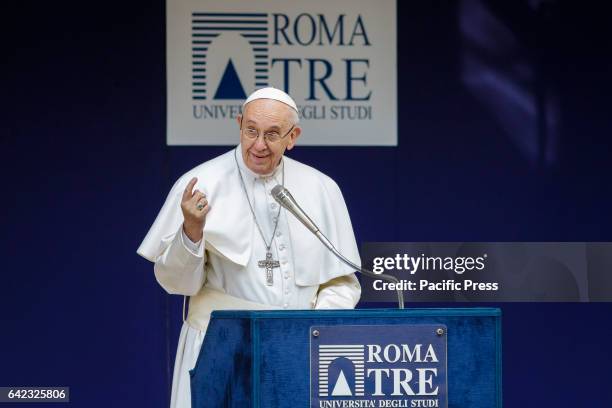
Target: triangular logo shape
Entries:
(341, 389)
(230, 86)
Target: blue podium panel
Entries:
(398, 358)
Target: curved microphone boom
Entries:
(286, 200)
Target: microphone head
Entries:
(286, 200)
(282, 195)
(277, 191)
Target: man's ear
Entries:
(295, 134)
(239, 121)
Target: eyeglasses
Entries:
(271, 136)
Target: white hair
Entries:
(294, 117)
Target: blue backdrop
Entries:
(503, 136)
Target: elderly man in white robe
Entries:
(221, 238)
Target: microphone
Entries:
(286, 200)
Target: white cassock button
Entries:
(278, 233)
(273, 206)
(281, 247)
(286, 276)
(286, 291)
(284, 261)
(285, 305)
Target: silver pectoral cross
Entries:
(269, 264)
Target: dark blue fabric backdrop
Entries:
(85, 169)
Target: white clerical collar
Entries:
(250, 174)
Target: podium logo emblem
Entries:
(336, 355)
(378, 366)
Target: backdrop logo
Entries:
(378, 366)
(336, 59)
(208, 28)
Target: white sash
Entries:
(207, 300)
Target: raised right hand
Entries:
(194, 206)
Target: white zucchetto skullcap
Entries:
(272, 93)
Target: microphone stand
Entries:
(286, 200)
(382, 276)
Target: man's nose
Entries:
(260, 142)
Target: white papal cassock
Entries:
(227, 263)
